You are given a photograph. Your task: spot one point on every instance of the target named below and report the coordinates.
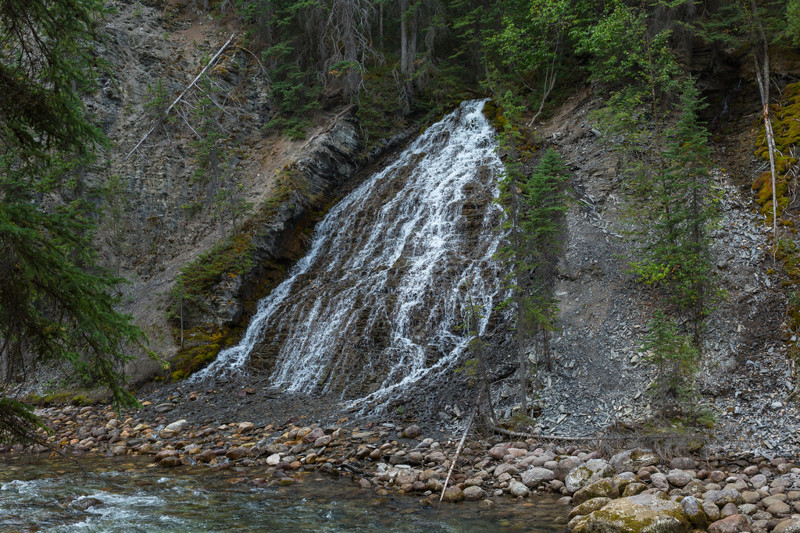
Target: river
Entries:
(105, 494)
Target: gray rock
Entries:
(518, 489)
(589, 506)
(633, 460)
(474, 493)
(533, 477)
(678, 478)
(792, 525)
(564, 467)
(584, 475)
(505, 468)
(729, 509)
(779, 509)
(722, 497)
(711, 510)
(694, 512)
(412, 432)
(177, 426)
(602, 488)
(683, 463)
(453, 495)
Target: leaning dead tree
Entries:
(165, 114)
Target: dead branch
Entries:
(461, 445)
(183, 93)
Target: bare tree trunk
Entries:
(461, 445)
(519, 303)
(181, 304)
(546, 349)
(404, 66)
(550, 77)
(380, 27)
(763, 78)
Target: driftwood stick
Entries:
(180, 96)
(633, 436)
(460, 445)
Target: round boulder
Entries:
(589, 472)
(533, 477)
(645, 512)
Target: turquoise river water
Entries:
(128, 495)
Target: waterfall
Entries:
(378, 302)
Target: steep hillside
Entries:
(160, 211)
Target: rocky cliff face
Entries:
(324, 167)
(159, 212)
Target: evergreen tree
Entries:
(533, 207)
(678, 204)
(55, 300)
(675, 359)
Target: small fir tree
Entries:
(675, 359)
(679, 205)
(533, 207)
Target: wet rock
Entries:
(119, 450)
(645, 512)
(474, 493)
(81, 504)
(164, 454)
(733, 524)
(453, 495)
(364, 483)
(206, 456)
(170, 462)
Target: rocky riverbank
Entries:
(633, 490)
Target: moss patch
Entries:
(786, 127)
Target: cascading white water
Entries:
(379, 300)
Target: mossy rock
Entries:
(644, 513)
